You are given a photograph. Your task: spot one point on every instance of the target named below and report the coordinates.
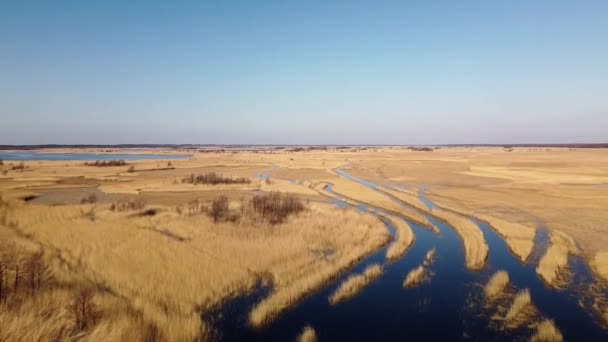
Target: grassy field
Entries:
(148, 247)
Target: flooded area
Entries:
(447, 305)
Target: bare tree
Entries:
(36, 272)
(83, 310)
(219, 208)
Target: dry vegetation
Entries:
(307, 335)
(429, 257)
(475, 247)
(546, 331)
(404, 239)
(152, 275)
(520, 311)
(106, 163)
(155, 265)
(496, 285)
(519, 237)
(362, 194)
(213, 178)
(415, 277)
(355, 283)
(555, 261)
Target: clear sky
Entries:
(303, 72)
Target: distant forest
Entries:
(195, 146)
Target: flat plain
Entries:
(149, 250)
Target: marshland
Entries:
(284, 244)
(303, 171)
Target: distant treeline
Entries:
(298, 147)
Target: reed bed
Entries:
(429, 257)
(520, 311)
(355, 283)
(404, 239)
(159, 278)
(476, 249)
(555, 261)
(475, 246)
(360, 193)
(546, 331)
(496, 285)
(308, 334)
(600, 265)
(518, 237)
(415, 277)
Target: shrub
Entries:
(106, 163)
(131, 169)
(219, 208)
(275, 207)
(1, 162)
(92, 198)
(20, 166)
(128, 205)
(213, 179)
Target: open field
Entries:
(159, 250)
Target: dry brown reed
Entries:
(520, 311)
(355, 283)
(555, 261)
(308, 334)
(546, 331)
(415, 277)
(496, 285)
(404, 239)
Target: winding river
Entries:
(446, 307)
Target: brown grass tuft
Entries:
(308, 335)
(520, 311)
(546, 331)
(496, 285)
(555, 260)
(429, 257)
(405, 238)
(355, 283)
(415, 277)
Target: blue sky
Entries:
(303, 72)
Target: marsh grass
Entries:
(355, 283)
(520, 311)
(496, 285)
(553, 265)
(475, 246)
(158, 273)
(546, 331)
(429, 257)
(415, 277)
(404, 239)
(308, 334)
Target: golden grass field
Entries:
(155, 274)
